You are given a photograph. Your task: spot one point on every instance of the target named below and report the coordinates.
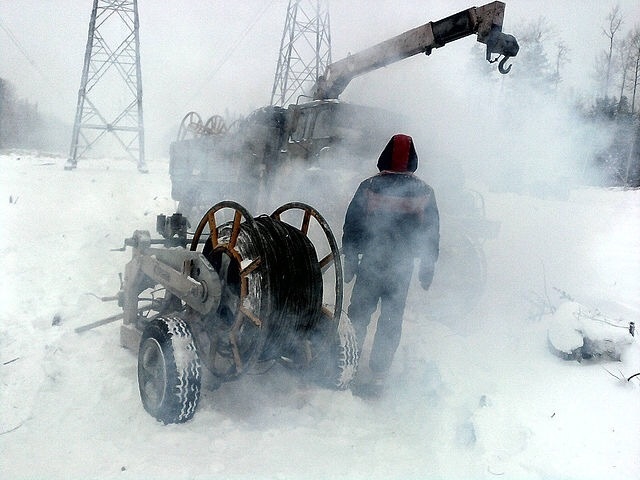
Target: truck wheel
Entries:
(169, 370)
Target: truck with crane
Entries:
(210, 161)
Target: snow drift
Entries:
(474, 397)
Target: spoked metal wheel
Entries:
(215, 125)
(190, 127)
(331, 259)
(169, 370)
(234, 126)
(238, 329)
(332, 348)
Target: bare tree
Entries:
(7, 100)
(534, 66)
(562, 57)
(634, 49)
(614, 23)
(20, 121)
(624, 54)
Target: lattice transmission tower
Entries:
(305, 50)
(110, 95)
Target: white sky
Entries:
(184, 45)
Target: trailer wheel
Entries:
(335, 365)
(169, 370)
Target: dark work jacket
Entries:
(392, 219)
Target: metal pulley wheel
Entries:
(190, 127)
(215, 125)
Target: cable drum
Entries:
(271, 305)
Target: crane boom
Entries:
(485, 21)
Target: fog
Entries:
(220, 57)
(474, 390)
(473, 130)
(468, 397)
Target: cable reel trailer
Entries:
(237, 292)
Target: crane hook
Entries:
(501, 67)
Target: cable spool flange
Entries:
(237, 331)
(332, 333)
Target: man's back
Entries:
(391, 214)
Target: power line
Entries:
(23, 51)
(227, 55)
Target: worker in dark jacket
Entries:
(391, 220)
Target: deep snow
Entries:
(480, 397)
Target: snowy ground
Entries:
(478, 398)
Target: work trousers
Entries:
(390, 288)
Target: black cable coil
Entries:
(288, 282)
(294, 282)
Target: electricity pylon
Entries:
(305, 50)
(110, 95)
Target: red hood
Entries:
(399, 155)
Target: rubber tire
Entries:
(169, 372)
(335, 365)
